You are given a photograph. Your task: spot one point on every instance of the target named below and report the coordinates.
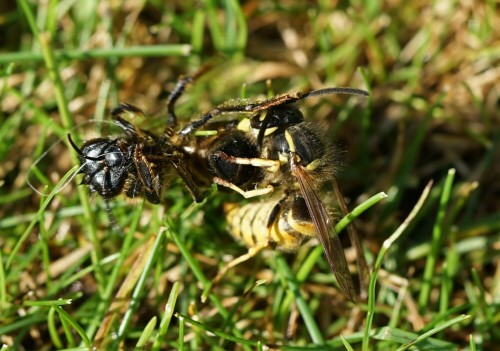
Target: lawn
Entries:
(417, 162)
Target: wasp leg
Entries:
(251, 253)
(222, 272)
(245, 193)
(268, 165)
(253, 250)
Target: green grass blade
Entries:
(152, 256)
(146, 334)
(70, 320)
(433, 331)
(380, 258)
(437, 234)
(167, 316)
(305, 312)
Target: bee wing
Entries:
(324, 225)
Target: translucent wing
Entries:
(324, 226)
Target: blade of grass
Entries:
(433, 331)
(378, 264)
(195, 268)
(81, 55)
(180, 343)
(58, 302)
(305, 312)
(307, 266)
(113, 277)
(216, 332)
(398, 336)
(481, 299)
(167, 316)
(76, 327)
(437, 237)
(358, 210)
(3, 287)
(213, 24)
(150, 258)
(67, 122)
(51, 325)
(198, 30)
(146, 334)
(346, 344)
(38, 215)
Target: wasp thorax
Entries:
(234, 145)
(279, 116)
(304, 141)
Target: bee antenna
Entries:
(80, 152)
(76, 148)
(337, 90)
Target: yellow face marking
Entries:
(270, 131)
(289, 140)
(244, 125)
(313, 165)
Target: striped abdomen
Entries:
(272, 221)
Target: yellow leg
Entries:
(251, 253)
(222, 272)
(246, 193)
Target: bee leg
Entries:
(177, 92)
(181, 169)
(245, 193)
(133, 188)
(128, 111)
(249, 108)
(151, 183)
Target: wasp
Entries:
(294, 160)
(274, 150)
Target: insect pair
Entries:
(272, 150)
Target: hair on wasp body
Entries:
(273, 150)
(295, 160)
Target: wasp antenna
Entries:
(337, 90)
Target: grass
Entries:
(69, 281)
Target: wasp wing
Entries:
(323, 223)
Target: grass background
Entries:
(68, 281)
